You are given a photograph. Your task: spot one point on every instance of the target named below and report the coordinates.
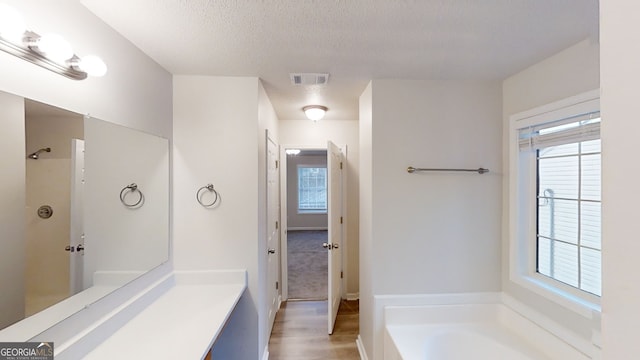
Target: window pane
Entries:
(560, 175)
(590, 177)
(544, 256)
(565, 263)
(312, 188)
(558, 219)
(591, 274)
(590, 217)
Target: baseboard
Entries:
(352, 296)
(361, 350)
(303, 228)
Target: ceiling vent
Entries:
(309, 78)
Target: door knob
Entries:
(327, 246)
(69, 248)
(80, 247)
(271, 251)
(335, 246)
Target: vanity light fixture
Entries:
(314, 112)
(292, 151)
(50, 51)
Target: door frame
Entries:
(275, 301)
(284, 273)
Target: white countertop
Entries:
(182, 323)
(39, 322)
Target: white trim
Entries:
(581, 102)
(265, 354)
(361, 349)
(521, 261)
(352, 296)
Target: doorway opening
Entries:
(307, 224)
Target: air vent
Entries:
(309, 78)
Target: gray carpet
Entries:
(307, 265)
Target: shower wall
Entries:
(48, 182)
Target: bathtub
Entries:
(463, 332)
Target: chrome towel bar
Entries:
(411, 170)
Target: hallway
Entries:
(300, 332)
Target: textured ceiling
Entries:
(353, 40)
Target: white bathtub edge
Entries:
(381, 301)
(518, 317)
(549, 325)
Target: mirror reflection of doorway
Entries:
(49, 135)
(307, 225)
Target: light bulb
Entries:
(92, 65)
(12, 25)
(55, 47)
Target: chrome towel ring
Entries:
(210, 188)
(133, 187)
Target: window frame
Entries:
(522, 206)
(310, 211)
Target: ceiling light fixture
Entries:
(292, 151)
(314, 112)
(50, 51)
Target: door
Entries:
(273, 237)
(334, 242)
(76, 234)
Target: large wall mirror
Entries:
(71, 219)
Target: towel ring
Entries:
(211, 189)
(133, 187)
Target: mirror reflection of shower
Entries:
(36, 154)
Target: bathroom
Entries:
(140, 94)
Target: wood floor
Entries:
(300, 332)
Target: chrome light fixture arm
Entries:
(28, 53)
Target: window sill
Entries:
(542, 287)
(312, 212)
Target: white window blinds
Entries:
(570, 130)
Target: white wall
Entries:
(341, 133)
(570, 72)
(219, 138)
(620, 75)
(433, 233)
(365, 138)
(136, 91)
(12, 201)
(295, 220)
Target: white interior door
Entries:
(76, 258)
(273, 237)
(334, 242)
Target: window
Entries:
(312, 189)
(556, 175)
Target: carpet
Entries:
(307, 265)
